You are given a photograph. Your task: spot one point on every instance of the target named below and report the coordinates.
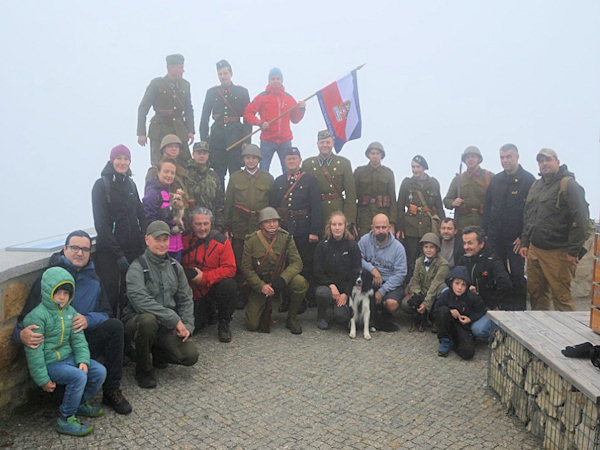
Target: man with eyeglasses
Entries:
(103, 333)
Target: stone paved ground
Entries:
(319, 390)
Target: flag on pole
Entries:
(341, 109)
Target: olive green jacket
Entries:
(340, 170)
(257, 269)
(416, 225)
(251, 192)
(171, 113)
(429, 283)
(473, 187)
(372, 182)
(205, 188)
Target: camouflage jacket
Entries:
(205, 189)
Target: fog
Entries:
(439, 76)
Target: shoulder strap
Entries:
(291, 188)
(330, 178)
(564, 181)
(422, 199)
(227, 102)
(106, 181)
(142, 260)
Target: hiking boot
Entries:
(86, 409)
(322, 324)
(145, 380)
(73, 427)
(224, 332)
(117, 402)
(293, 326)
(445, 346)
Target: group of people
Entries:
(190, 251)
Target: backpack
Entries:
(144, 263)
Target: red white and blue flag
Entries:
(341, 109)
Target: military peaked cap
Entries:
(174, 59)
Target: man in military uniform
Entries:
(554, 231)
(375, 190)
(204, 187)
(503, 219)
(226, 104)
(336, 182)
(297, 198)
(271, 265)
(172, 102)
(247, 193)
(466, 193)
(420, 208)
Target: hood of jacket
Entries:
(563, 171)
(51, 279)
(459, 272)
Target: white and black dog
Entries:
(360, 302)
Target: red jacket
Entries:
(214, 257)
(269, 104)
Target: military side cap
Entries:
(223, 63)
(252, 150)
(548, 152)
(201, 146)
(323, 134)
(293, 151)
(471, 150)
(158, 228)
(508, 147)
(175, 59)
(421, 161)
(268, 213)
(169, 139)
(431, 238)
(375, 146)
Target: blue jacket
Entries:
(90, 299)
(389, 260)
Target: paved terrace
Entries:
(318, 390)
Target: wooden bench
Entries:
(555, 396)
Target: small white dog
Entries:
(360, 302)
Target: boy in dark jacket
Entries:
(63, 356)
(454, 311)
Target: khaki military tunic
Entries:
(473, 187)
(376, 194)
(414, 215)
(174, 114)
(344, 197)
(246, 195)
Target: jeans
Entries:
(267, 149)
(325, 303)
(79, 386)
(483, 327)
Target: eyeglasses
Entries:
(77, 248)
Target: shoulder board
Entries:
(282, 231)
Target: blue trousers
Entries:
(483, 327)
(268, 149)
(79, 386)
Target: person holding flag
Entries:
(275, 109)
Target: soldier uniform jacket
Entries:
(248, 191)
(340, 170)
(429, 283)
(376, 193)
(504, 204)
(257, 269)
(548, 227)
(473, 187)
(225, 104)
(300, 210)
(416, 225)
(172, 103)
(205, 189)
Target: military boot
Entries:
(293, 325)
(224, 331)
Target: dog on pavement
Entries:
(360, 302)
(418, 321)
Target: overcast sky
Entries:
(439, 76)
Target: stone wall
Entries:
(540, 398)
(15, 384)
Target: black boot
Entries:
(224, 331)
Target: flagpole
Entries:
(279, 116)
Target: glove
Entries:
(278, 285)
(122, 264)
(578, 351)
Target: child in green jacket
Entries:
(63, 356)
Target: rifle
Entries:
(265, 318)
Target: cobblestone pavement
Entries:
(319, 390)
